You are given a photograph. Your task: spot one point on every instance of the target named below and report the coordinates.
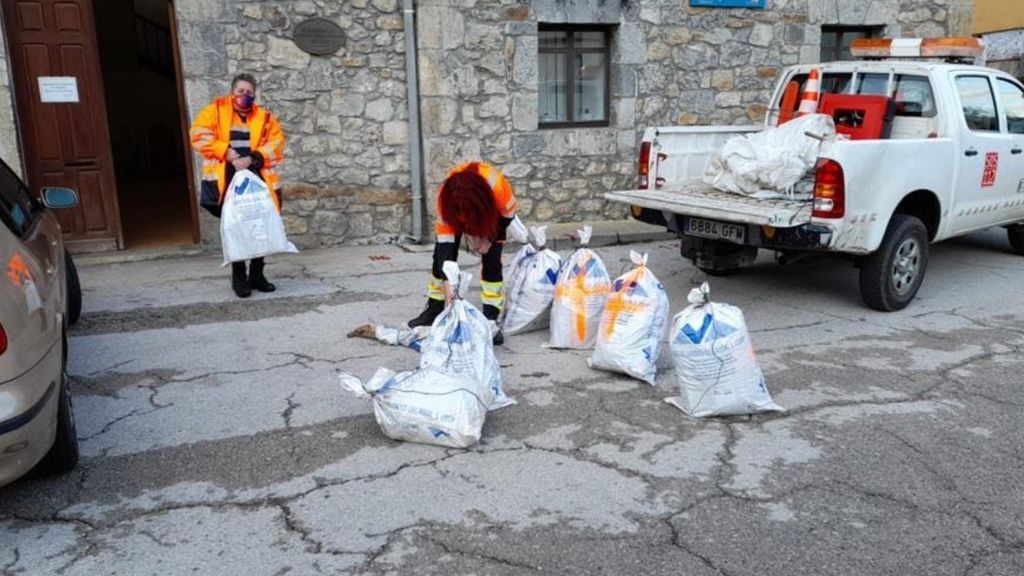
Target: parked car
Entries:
(950, 164)
(39, 298)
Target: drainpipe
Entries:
(415, 144)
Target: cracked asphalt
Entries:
(216, 439)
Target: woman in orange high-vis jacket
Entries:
(234, 133)
(475, 201)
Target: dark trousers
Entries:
(492, 295)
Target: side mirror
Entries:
(59, 197)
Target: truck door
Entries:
(1011, 105)
(985, 159)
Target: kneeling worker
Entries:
(475, 201)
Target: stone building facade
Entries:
(347, 171)
(671, 64)
(345, 116)
(1001, 25)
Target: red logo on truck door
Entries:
(988, 178)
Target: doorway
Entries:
(144, 115)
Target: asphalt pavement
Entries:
(216, 439)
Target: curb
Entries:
(561, 236)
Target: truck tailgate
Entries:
(701, 200)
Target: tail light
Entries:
(829, 190)
(645, 165)
(3, 340)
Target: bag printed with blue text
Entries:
(715, 363)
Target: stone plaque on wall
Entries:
(318, 36)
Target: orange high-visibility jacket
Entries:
(504, 199)
(211, 137)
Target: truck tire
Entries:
(1016, 235)
(891, 276)
(74, 289)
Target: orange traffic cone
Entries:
(812, 91)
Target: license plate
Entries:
(718, 230)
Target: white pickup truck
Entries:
(951, 164)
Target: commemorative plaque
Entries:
(318, 36)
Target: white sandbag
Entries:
(772, 161)
(530, 286)
(250, 226)
(423, 406)
(460, 343)
(715, 363)
(516, 231)
(580, 295)
(633, 324)
(401, 335)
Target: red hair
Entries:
(467, 204)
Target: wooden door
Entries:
(65, 139)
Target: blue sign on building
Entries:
(729, 3)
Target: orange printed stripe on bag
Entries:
(618, 303)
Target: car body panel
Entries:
(33, 296)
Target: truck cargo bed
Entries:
(701, 200)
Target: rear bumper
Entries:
(28, 416)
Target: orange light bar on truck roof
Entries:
(960, 47)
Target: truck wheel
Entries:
(891, 276)
(74, 289)
(1016, 236)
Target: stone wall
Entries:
(1005, 51)
(671, 64)
(346, 170)
(9, 143)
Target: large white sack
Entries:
(580, 295)
(460, 343)
(423, 406)
(633, 324)
(530, 286)
(715, 363)
(250, 226)
(401, 335)
(771, 161)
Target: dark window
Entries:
(872, 84)
(913, 96)
(573, 79)
(831, 83)
(836, 40)
(978, 102)
(17, 208)
(1012, 98)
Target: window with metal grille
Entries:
(573, 76)
(836, 40)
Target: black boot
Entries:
(493, 313)
(429, 314)
(257, 281)
(239, 283)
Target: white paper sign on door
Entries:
(55, 89)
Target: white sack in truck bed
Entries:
(769, 163)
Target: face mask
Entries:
(244, 101)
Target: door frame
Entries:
(179, 80)
(18, 92)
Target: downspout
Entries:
(415, 143)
